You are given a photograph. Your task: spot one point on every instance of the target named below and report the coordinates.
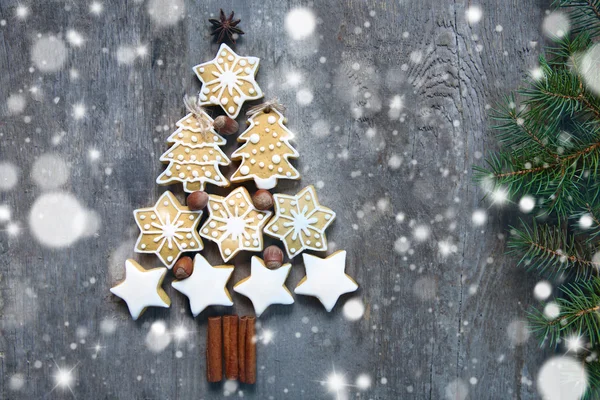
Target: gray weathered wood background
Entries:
(436, 326)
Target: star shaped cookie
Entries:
(167, 229)
(265, 286)
(234, 223)
(141, 288)
(206, 286)
(228, 81)
(325, 278)
(300, 222)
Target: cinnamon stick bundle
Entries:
(230, 345)
(242, 348)
(214, 352)
(250, 351)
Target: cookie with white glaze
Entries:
(300, 222)
(142, 288)
(228, 81)
(234, 224)
(266, 152)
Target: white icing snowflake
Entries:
(234, 224)
(300, 221)
(228, 80)
(167, 229)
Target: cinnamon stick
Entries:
(230, 345)
(242, 349)
(250, 351)
(214, 352)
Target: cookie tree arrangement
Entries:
(550, 132)
(236, 222)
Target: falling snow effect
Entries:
(562, 378)
(50, 172)
(589, 68)
(166, 12)
(542, 290)
(16, 104)
(57, 219)
(556, 25)
(300, 23)
(158, 338)
(49, 54)
(354, 309)
(9, 176)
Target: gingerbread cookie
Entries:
(228, 81)
(167, 229)
(266, 152)
(325, 278)
(206, 286)
(142, 288)
(265, 286)
(194, 157)
(234, 223)
(300, 222)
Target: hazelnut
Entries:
(262, 199)
(183, 268)
(273, 257)
(225, 125)
(197, 200)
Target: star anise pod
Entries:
(224, 27)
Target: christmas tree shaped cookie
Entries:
(228, 81)
(194, 157)
(266, 152)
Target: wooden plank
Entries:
(434, 324)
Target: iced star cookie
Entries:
(142, 288)
(325, 278)
(194, 157)
(228, 81)
(234, 223)
(266, 152)
(300, 222)
(206, 286)
(265, 286)
(167, 229)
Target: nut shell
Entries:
(183, 268)
(225, 125)
(263, 199)
(273, 257)
(197, 200)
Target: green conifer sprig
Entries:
(550, 137)
(578, 315)
(584, 15)
(552, 251)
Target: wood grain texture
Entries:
(432, 322)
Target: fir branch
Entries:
(552, 251)
(558, 183)
(593, 380)
(584, 15)
(560, 94)
(566, 47)
(578, 314)
(516, 130)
